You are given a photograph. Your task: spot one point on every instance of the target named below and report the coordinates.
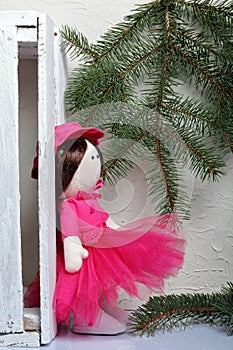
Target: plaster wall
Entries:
(209, 232)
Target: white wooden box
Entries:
(28, 35)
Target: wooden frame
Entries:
(27, 34)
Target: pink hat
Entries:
(69, 131)
(73, 130)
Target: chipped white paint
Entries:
(46, 180)
(11, 317)
(25, 339)
(27, 34)
(51, 83)
(19, 18)
(60, 81)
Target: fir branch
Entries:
(167, 312)
(121, 31)
(159, 47)
(139, 61)
(165, 64)
(222, 7)
(76, 44)
(194, 118)
(202, 70)
(226, 137)
(122, 154)
(123, 150)
(204, 48)
(170, 197)
(119, 77)
(107, 87)
(204, 163)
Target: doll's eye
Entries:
(97, 156)
(92, 157)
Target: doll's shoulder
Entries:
(74, 205)
(66, 206)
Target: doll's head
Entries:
(78, 167)
(78, 159)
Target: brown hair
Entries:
(69, 156)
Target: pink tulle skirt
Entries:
(153, 256)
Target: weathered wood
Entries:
(31, 319)
(24, 339)
(19, 18)
(60, 73)
(46, 182)
(22, 28)
(11, 291)
(27, 34)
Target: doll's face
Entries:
(87, 174)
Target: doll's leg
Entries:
(116, 312)
(107, 325)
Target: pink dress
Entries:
(145, 252)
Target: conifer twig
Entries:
(179, 311)
(143, 63)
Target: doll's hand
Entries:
(73, 254)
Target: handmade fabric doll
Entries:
(98, 260)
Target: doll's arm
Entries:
(73, 253)
(73, 249)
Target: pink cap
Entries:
(69, 131)
(73, 130)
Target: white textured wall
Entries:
(209, 252)
(209, 256)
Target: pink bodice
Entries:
(82, 216)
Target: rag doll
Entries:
(98, 259)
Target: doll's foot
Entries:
(107, 326)
(117, 313)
